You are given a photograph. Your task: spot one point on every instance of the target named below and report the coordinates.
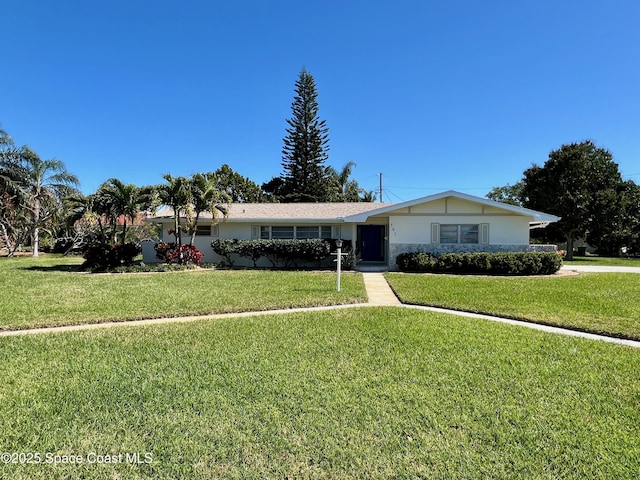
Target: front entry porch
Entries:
(371, 248)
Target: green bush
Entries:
(280, 252)
(503, 263)
(252, 249)
(155, 267)
(417, 262)
(104, 257)
(225, 248)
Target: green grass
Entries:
(607, 303)
(358, 393)
(604, 261)
(47, 291)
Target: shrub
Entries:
(280, 252)
(466, 262)
(170, 253)
(103, 257)
(417, 262)
(62, 245)
(252, 249)
(154, 267)
(225, 248)
(504, 263)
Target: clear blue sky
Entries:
(436, 95)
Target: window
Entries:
(298, 232)
(469, 233)
(306, 232)
(282, 232)
(448, 233)
(459, 233)
(206, 230)
(203, 230)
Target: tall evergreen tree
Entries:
(305, 178)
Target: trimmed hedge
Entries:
(104, 257)
(503, 263)
(280, 252)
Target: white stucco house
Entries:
(445, 222)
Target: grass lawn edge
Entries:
(574, 328)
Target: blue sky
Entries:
(435, 95)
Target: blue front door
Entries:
(371, 243)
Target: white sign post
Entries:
(339, 261)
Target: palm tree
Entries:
(121, 201)
(347, 189)
(44, 183)
(343, 180)
(205, 198)
(175, 194)
(13, 218)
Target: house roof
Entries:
(349, 212)
(536, 216)
(329, 212)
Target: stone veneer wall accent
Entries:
(396, 249)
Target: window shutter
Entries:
(484, 233)
(215, 230)
(435, 233)
(335, 231)
(255, 232)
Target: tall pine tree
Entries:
(305, 177)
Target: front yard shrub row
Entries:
(103, 257)
(280, 252)
(172, 253)
(506, 263)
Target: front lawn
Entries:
(607, 303)
(359, 393)
(47, 291)
(603, 261)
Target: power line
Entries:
(389, 192)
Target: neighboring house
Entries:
(445, 222)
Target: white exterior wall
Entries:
(409, 229)
(416, 229)
(412, 232)
(229, 230)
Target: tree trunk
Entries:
(195, 229)
(6, 240)
(124, 232)
(569, 255)
(35, 241)
(36, 229)
(178, 234)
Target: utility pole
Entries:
(380, 187)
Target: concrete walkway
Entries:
(378, 290)
(379, 293)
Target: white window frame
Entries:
(483, 233)
(258, 230)
(203, 231)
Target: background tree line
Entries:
(41, 204)
(581, 183)
(41, 201)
